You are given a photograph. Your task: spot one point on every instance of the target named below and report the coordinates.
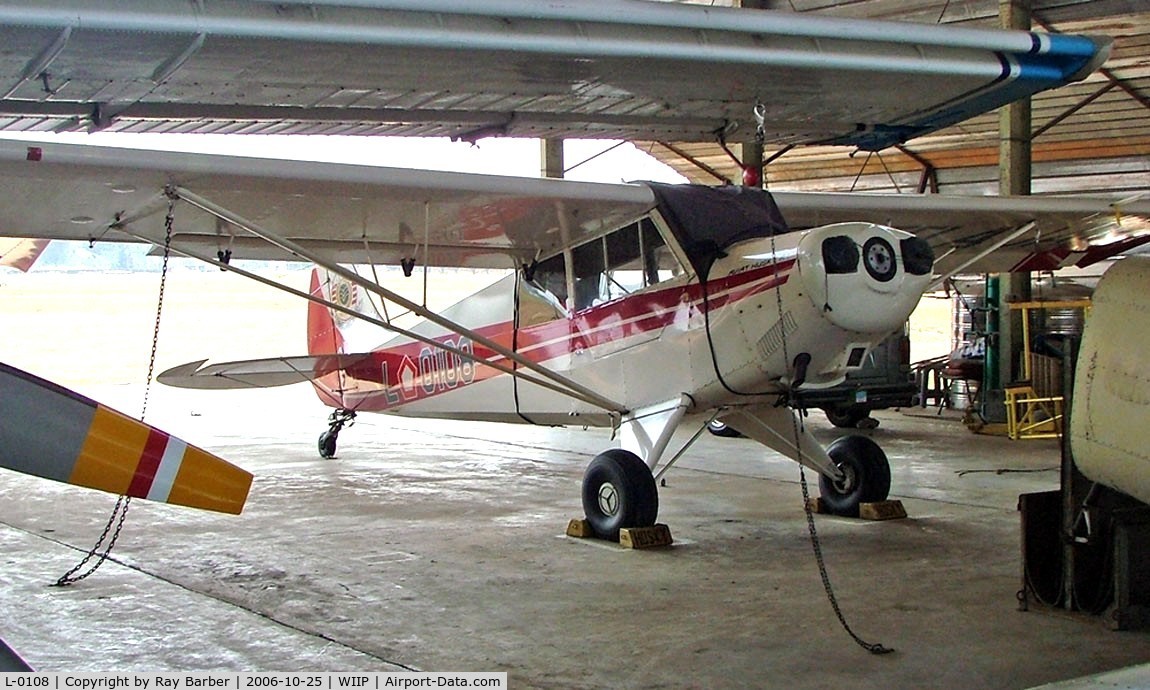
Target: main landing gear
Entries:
(335, 424)
(619, 491)
(866, 476)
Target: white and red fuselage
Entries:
(725, 341)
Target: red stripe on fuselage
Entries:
(626, 317)
(634, 315)
(149, 464)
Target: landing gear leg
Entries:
(335, 424)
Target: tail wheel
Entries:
(327, 445)
(866, 475)
(619, 491)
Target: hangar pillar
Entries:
(1014, 178)
(1014, 167)
(751, 153)
(551, 158)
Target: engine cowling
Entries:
(864, 277)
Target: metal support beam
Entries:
(1015, 174)
(1073, 109)
(929, 177)
(551, 158)
(713, 172)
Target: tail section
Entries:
(334, 332)
(323, 337)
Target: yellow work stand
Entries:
(1031, 416)
(1028, 414)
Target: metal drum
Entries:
(1061, 321)
(962, 394)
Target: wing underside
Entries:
(342, 213)
(393, 67)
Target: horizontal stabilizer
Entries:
(49, 431)
(263, 373)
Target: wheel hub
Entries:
(608, 499)
(849, 479)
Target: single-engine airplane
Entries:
(636, 306)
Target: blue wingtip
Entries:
(1054, 61)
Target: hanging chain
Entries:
(169, 220)
(816, 544)
(120, 510)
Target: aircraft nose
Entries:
(841, 255)
(864, 277)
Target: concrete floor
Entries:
(438, 546)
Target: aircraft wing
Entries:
(344, 213)
(267, 373)
(363, 214)
(577, 69)
(987, 234)
(51, 432)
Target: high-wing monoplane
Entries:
(622, 69)
(642, 307)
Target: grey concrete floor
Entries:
(438, 546)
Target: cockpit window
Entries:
(629, 259)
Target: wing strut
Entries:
(556, 382)
(939, 281)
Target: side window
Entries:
(551, 275)
(637, 258)
(629, 259)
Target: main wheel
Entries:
(866, 475)
(619, 491)
(327, 445)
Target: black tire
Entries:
(867, 476)
(327, 445)
(719, 429)
(619, 491)
(846, 417)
